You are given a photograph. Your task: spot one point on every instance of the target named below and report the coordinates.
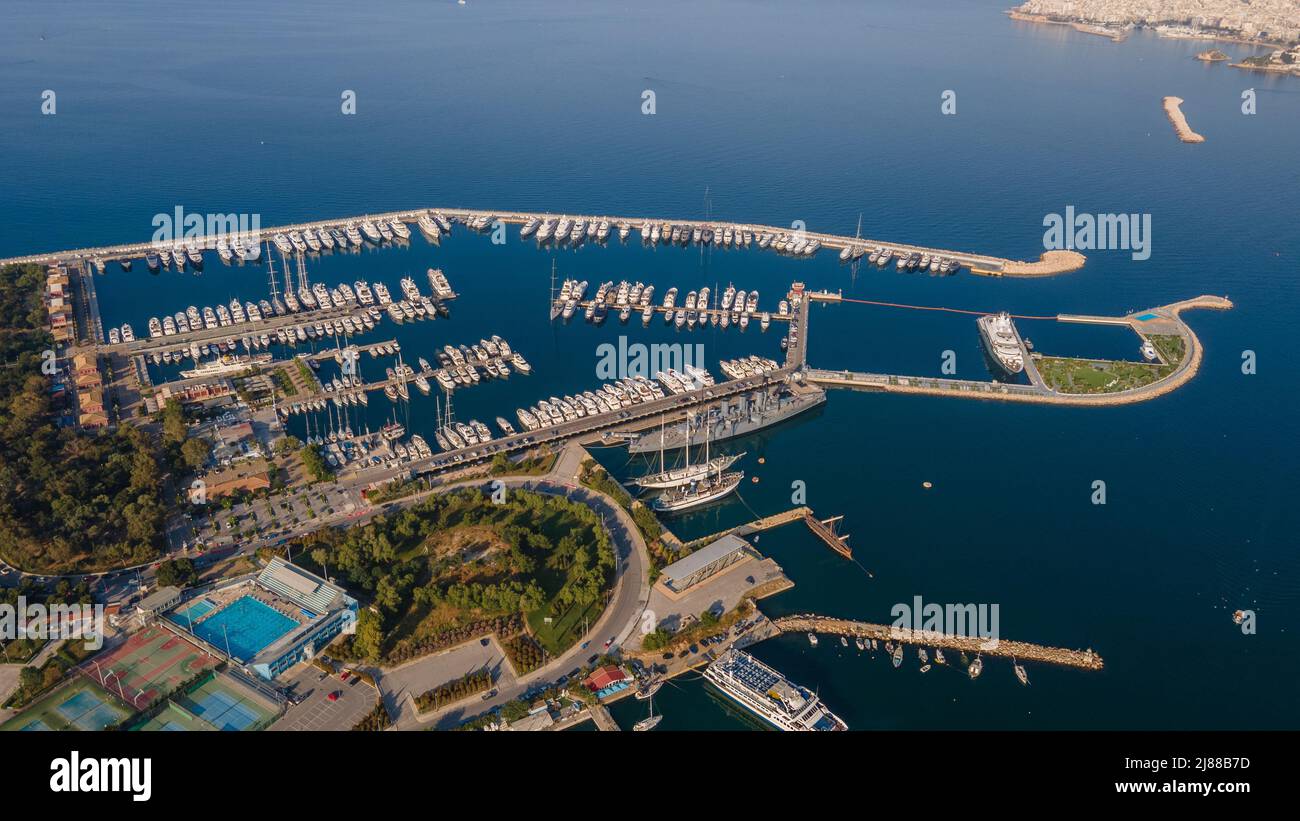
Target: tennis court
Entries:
(81, 706)
(175, 718)
(245, 626)
(151, 663)
(226, 705)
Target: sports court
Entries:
(245, 626)
(216, 704)
(83, 705)
(151, 663)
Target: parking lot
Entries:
(316, 711)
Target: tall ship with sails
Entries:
(770, 695)
(666, 478)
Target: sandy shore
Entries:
(1181, 128)
(1049, 264)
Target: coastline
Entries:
(1120, 36)
(1175, 114)
(1080, 26)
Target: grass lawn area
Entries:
(566, 630)
(1087, 376)
(1170, 346)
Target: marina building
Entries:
(156, 602)
(713, 558)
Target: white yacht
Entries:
(1002, 341)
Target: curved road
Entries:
(621, 616)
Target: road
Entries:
(622, 614)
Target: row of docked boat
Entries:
(414, 306)
(908, 260)
(465, 365)
(676, 382)
(452, 435)
(727, 236)
(433, 225)
(316, 297)
(894, 650)
(573, 232)
(745, 367)
(607, 398)
(349, 235)
(229, 248)
(359, 322)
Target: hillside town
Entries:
(1267, 22)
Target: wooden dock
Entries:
(1019, 650)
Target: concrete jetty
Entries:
(983, 263)
(1019, 650)
(1174, 112)
(1162, 320)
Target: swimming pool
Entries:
(246, 626)
(194, 612)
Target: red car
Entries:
(334, 696)
(344, 676)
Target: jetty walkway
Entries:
(1049, 263)
(1019, 650)
(1164, 320)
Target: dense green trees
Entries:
(315, 464)
(552, 555)
(70, 500)
(177, 573)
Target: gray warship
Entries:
(736, 416)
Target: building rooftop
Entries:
(705, 556)
(159, 598)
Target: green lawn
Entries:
(1092, 377)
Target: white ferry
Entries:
(769, 695)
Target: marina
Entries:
(984, 501)
(807, 242)
(973, 645)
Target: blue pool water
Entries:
(246, 626)
(194, 612)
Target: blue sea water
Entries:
(819, 112)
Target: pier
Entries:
(1019, 650)
(1049, 263)
(781, 519)
(603, 720)
(1162, 320)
